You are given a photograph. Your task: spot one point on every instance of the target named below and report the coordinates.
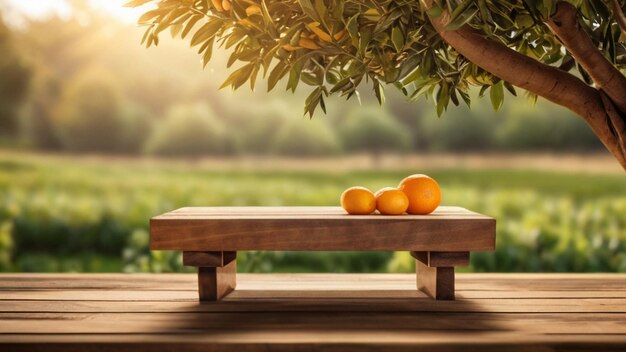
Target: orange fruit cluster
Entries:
(417, 194)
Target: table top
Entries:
(319, 228)
(280, 312)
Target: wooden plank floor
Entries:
(312, 312)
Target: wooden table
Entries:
(211, 236)
(312, 312)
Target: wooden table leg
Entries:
(214, 283)
(435, 272)
(217, 272)
(437, 282)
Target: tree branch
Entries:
(544, 80)
(619, 16)
(564, 24)
(547, 81)
(616, 123)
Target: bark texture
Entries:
(596, 107)
(564, 24)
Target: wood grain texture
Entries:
(312, 312)
(436, 282)
(214, 283)
(319, 228)
(442, 258)
(208, 259)
(304, 301)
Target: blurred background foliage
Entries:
(93, 128)
(60, 213)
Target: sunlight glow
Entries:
(115, 8)
(17, 10)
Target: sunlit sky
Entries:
(38, 9)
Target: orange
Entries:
(391, 201)
(218, 5)
(423, 192)
(308, 43)
(252, 10)
(358, 201)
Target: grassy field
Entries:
(91, 214)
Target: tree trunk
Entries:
(594, 106)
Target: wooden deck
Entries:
(312, 312)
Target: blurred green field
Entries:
(91, 215)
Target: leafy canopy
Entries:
(334, 46)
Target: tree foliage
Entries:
(14, 81)
(375, 131)
(315, 138)
(90, 117)
(335, 46)
(188, 131)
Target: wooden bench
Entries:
(211, 236)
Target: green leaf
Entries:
(379, 92)
(410, 70)
(421, 88)
(496, 93)
(510, 88)
(364, 39)
(397, 39)
(276, 74)
(238, 77)
(190, 25)
(482, 91)
(253, 75)
(208, 30)
(296, 38)
(170, 19)
(387, 21)
(175, 29)
(148, 16)
(312, 101)
(145, 35)
(208, 52)
(337, 9)
(342, 84)
(544, 7)
(322, 104)
(320, 9)
(466, 98)
(531, 98)
(267, 16)
(434, 11)
(353, 28)
(235, 37)
(443, 97)
(268, 56)
(524, 21)
(484, 11)
(463, 18)
(294, 76)
(309, 9)
(454, 98)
